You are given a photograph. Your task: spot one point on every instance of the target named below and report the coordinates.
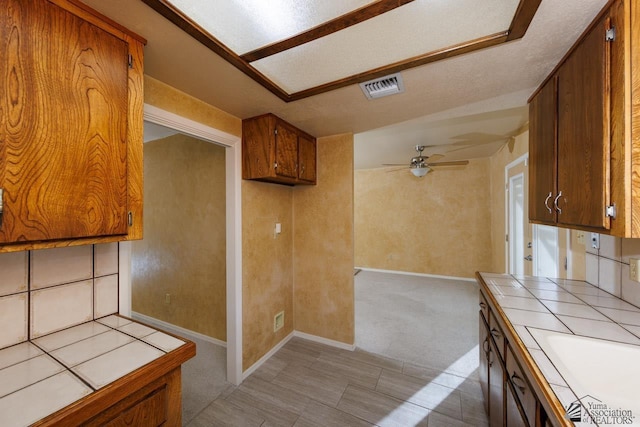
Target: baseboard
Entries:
(410, 273)
(181, 331)
(266, 357)
(325, 341)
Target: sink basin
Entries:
(606, 371)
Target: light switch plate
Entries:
(634, 269)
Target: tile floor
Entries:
(310, 384)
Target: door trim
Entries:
(233, 169)
(524, 158)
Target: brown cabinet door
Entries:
(483, 368)
(63, 125)
(286, 151)
(542, 154)
(514, 418)
(583, 132)
(496, 388)
(307, 158)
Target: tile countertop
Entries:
(40, 377)
(561, 305)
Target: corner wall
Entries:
(438, 224)
(324, 245)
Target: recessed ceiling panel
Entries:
(414, 29)
(246, 25)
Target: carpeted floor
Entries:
(427, 321)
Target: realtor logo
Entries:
(574, 412)
(589, 410)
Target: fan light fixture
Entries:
(420, 171)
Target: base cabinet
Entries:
(509, 399)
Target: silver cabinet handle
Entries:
(546, 202)
(555, 202)
(496, 333)
(528, 258)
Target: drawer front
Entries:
(484, 307)
(498, 336)
(524, 394)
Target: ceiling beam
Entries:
(340, 23)
(448, 52)
(523, 17)
(200, 34)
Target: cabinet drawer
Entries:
(484, 307)
(497, 334)
(150, 411)
(524, 394)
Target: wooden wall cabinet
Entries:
(584, 140)
(71, 114)
(275, 151)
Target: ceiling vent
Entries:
(384, 86)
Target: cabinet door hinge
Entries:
(275, 131)
(610, 34)
(130, 218)
(610, 211)
(130, 60)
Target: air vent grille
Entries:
(384, 86)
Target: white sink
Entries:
(605, 370)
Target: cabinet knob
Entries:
(555, 202)
(546, 202)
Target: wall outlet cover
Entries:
(634, 269)
(595, 240)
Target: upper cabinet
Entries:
(71, 105)
(582, 141)
(275, 151)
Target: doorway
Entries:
(531, 249)
(233, 235)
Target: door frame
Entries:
(524, 158)
(233, 177)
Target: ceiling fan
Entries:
(420, 165)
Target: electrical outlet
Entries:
(278, 321)
(634, 269)
(595, 240)
(167, 298)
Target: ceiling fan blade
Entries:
(396, 164)
(434, 157)
(396, 169)
(458, 163)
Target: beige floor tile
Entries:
(276, 412)
(354, 372)
(461, 384)
(425, 393)
(316, 385)
(473, 410)
(318, 415)
(382, 410)
(437, 419)
(224, 413)
(374, 359)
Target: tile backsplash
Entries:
(608, 267)
(52, 289)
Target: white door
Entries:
(545, 251)
(519, 245)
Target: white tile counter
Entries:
(531, 304)
(40, 377)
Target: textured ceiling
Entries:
(498, 78)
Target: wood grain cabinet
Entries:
(508, 397)
(584, 138)
(71, 106)
(276, 151)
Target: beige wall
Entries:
(438, 224)
(163, 96)
(183, 252)
(268, 263)
(499, 161)
(324, 247)
(267, 266)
